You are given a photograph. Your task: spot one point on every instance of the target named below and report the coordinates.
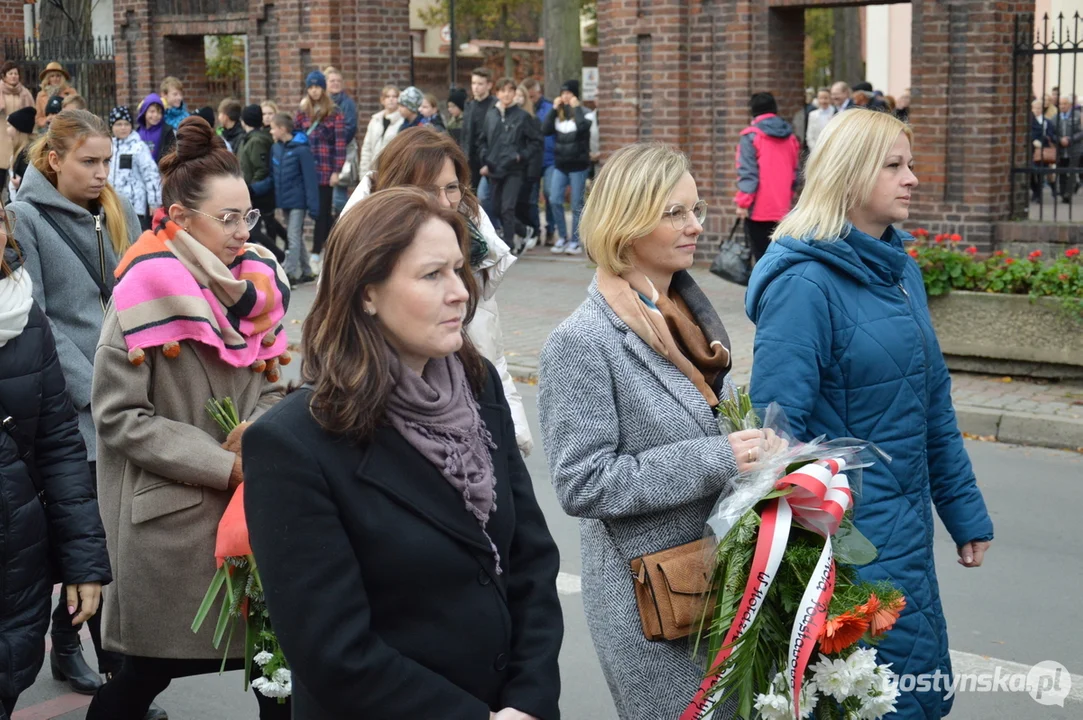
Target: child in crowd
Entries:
(73, 102)
(132, 171)
(150, 124)
(175, 109)
(296, 191)
(229, 119)
(430, 112)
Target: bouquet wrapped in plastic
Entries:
(243, 598)
(785, 585)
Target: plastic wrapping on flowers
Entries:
(784, 583)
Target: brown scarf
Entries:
(683, 327)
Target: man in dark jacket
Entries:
(507, 146)
(254, 154)
(41, 450)
(477, 109)
(1069, 129)
(542, 106)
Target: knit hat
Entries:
(411, 99)
(762, 103)
(316, 78)
(120, 112)
(571, 86)
(23, 120)
(55, 105)
(207, 113)
(252, 116)
(458, 98)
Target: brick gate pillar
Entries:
(962, 82)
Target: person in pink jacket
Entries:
(767, 161)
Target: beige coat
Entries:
(12, 102)
(163, 484)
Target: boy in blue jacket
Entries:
(294, 171)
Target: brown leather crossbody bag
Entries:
(671, 588)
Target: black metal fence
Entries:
(90, 62)
(1050, 165)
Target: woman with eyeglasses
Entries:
(627, 390)
(433, 161)
(196, 315)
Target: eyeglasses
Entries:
(452, 191)
(231, 220)
(679, 215)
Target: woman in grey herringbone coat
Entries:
(627, 389)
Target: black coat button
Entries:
(501, 662)
(483, 578)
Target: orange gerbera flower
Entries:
(870, 608)
(842, 631)
(884, 618)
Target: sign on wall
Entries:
(589, 86)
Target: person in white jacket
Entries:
(133, 172)
(383, 126)
(433, 161)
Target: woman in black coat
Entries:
(55, 538)
(408, 570)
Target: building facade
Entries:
(368, 40)
(682, 72)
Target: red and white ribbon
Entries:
(819, 499)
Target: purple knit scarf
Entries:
(438, 415)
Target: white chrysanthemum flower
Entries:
(809, 698)
(862, 661)
(262, 658)
(772, 706)
(833, 677)
(283, 676)
(881, 698)
(269, 688)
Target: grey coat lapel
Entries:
(675, 382)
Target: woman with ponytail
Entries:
(197, 314)
(73, 227)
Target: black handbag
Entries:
(734, 259)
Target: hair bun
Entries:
(196, 138)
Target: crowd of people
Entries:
(1056, 133)
(405, 562)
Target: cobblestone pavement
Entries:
(541, 290)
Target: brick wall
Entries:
(11, 18)
(368, 40)
(682, 71)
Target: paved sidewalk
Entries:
(541, 290)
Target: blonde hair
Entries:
(841, 173)
(320, 109)
(332, 70)
(77, 102)
(171, 83)
(627, 201)
(22, 140)
(68, 130)
(269, 104)
(527, 105)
